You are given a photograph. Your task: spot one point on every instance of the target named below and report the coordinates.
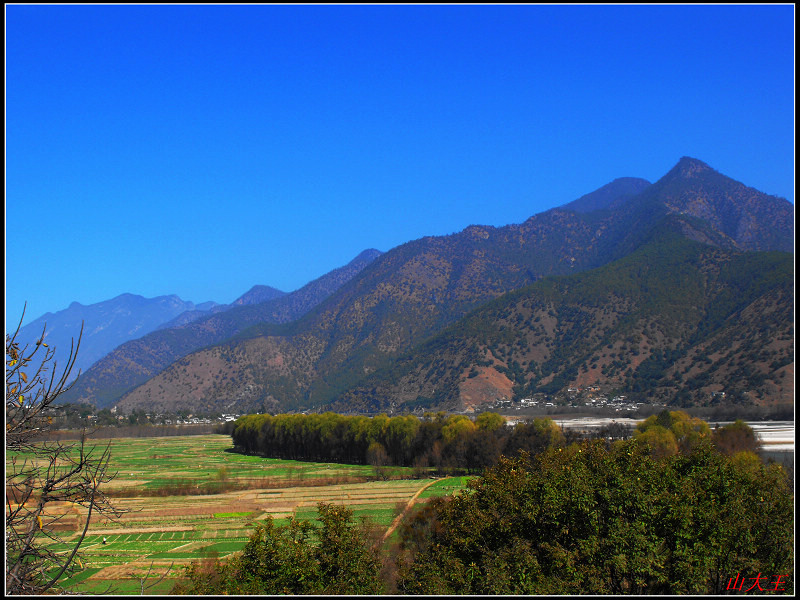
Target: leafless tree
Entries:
(45, 478)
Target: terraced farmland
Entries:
(190, 497)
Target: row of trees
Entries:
(449, 442)
(70, 415)
(437, 440)
(587, 518)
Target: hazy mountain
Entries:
(256, 295)
(106, 325)
(193, 315)
(417, 289)
(133, 363)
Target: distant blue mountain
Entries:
(106, 325)
(135, 361)
(256, 295)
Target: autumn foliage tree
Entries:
(42, 474)
(672, 431)
(736, 437)
(447, 443)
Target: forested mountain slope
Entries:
(676, 321)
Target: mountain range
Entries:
(106, 325)
(676, 290)
(136, 360)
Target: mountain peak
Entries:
(751, 219)
(367, 255)
(258, 294)
(690, 167)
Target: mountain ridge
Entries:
(609, 195)
(521, 343)
(137, 360)
(416, 289)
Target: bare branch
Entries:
(41, 473)
(157, 581)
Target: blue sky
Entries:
(200, 150)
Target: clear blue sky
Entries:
(200, 150)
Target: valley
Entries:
(188, 498)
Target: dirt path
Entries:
(410, 503)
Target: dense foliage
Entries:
(592, 519)
(438, 440)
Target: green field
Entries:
(190, 498)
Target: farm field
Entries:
(189, 498)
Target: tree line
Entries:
(453, 443)
(439, 441)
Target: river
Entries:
(775, 436)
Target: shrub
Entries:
(299, 558)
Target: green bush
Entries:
(299, 558)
